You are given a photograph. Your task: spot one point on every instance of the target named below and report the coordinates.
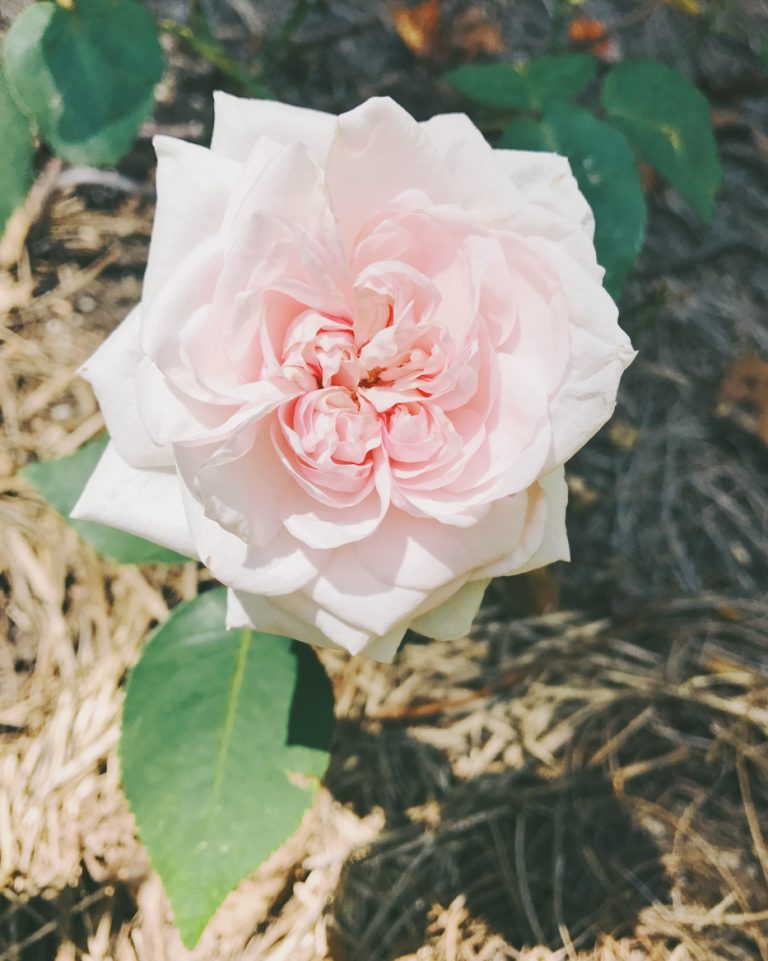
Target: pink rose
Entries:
(366, 347)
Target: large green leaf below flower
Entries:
(61, 482)
(605, 169)
(216, 724)
(85, 75)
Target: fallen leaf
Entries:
(584, 495)
(692, 7)
(623, 435)
(475, 34)
(743, 395)
(419, 27)
(592, 35)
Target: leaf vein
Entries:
(229, 721)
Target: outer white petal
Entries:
(282, 180)
(544, 539)
(379, 151)
(600, 353)
(415, 553)
(479, 180)
(112, 371)
(554, 545)
(193, 186)
(280, 567)
(552, 204)
(453, 618)
(296, 617)
(146, 503)
(351, 593)
(238, 123)
(545, 179)
(261, 614)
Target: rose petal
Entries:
(146, 503)
(378, 152)
(425, 555)
(554, 545)
(280, 567)
(480, 182)
(453, 618)
(284, 181)
(111, 371)
(318, 525)
(600, 353)
(266, 614)
(545, 179)
(261, 614)
(353, 594)
(239, 122)
(193, 187)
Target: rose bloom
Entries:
(365, 348)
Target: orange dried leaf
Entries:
(586, 30)
(419, 27)
(592, 34)
(743, 396)
(475, 34)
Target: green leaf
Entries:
(525, 86)
(62, 481)
(605, 169)
(668, 122)
(206, 752)
(85, 75)
(524, 133)
(16, 166)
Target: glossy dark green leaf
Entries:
(525, 133)
(16, 165)
(62, 481)
(668, 122)
(211, 736)
(605, 169)
(525, 86)
(85, 75)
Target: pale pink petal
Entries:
(545, 179)
(216, 475)
(284, 182)
(169, 416)
(481, 183)
(146, 503)
(378, 152)
(177, 296)
(424, 555)
(354, 594)
(261, 614)
(112, 371)
(295, 615)
(282, 566)
(554, 545)
(239, 122)
(318, 525)
(193, 188)
(600, 353)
